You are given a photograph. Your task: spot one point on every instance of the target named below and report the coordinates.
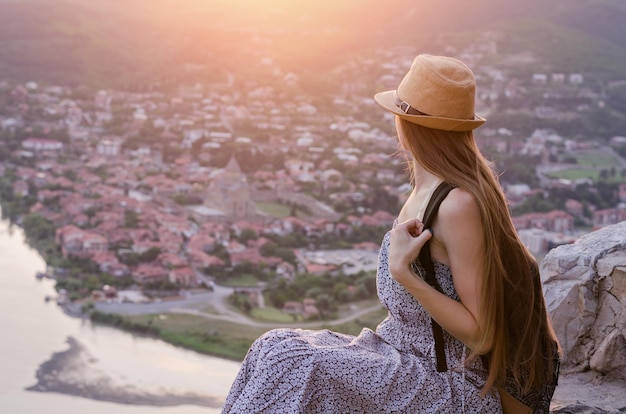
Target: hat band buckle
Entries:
(405, 106)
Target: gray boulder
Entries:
(585, 289)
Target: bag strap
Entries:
(440, 193)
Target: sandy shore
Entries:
(75, 372)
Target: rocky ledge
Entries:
(585, 289)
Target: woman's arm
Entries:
(459, 230)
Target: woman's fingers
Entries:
(406, 242)
(408, 238)
(414, 227)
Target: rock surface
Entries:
(585, 290)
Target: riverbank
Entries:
(75, 372)
(182, 324)
(35, 329)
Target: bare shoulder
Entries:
(458, 230)
(459, 205)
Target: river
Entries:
(33, 330)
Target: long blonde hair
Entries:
(513, 315)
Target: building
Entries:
(42, 144)
(80, 243)
(183, 276)
(230, 193)
(556, 221)
(603, 218)
(534, 239)
(109, 147)
(574, 207)
(622, 193)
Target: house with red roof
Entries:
(369, 246)
(146, 273)
(202, 242)
(77, 242)
(555, 220)
(309, 308)
(292, 307)
(258, 243)
(606, 217)
(235, 247)
(107, 262)
(171, 260)
(201, 260)
(184, 276)
(143, 246)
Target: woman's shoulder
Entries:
(460, 204)
(458, 225)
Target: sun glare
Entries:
(296, 32)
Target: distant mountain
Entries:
(121, 42)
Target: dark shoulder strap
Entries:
(440, 193)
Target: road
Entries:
(218, 300)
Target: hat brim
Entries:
(385, 99)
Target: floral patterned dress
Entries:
(392, 370)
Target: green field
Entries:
(243, 280)
(582, 173)
(576, 174)
(590, 165)
(597, 160)
(278, 210)
(269, 314)
(207, 336)
(371, 320)
(227, 339)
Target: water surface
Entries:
(33, 330)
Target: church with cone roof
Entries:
(230, 192)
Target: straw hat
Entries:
(438, 92)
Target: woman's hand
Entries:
(407, 239)
(460, 232)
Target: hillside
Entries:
(117, 42)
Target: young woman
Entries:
(496, 330)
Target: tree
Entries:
(247, 235)
(535, 203)
(520, 170)
(326, 303)
(241, 301)
(131, 220)
(38, 228)
(150, 255)
(268, 249)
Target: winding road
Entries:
(218, 300)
